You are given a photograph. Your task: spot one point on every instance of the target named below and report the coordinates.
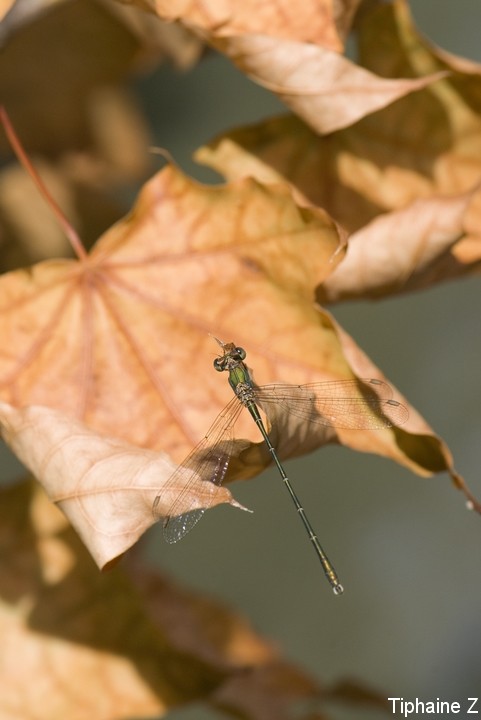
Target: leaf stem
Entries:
(22, 156)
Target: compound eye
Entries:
(241, 353)
(218, 364)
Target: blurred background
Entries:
(407, 550)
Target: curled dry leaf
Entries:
(403, 251)
(82, 645)
(105, 486)
(322, 87)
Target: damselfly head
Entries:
(233, 355)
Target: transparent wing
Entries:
(207, 462)
(345, 404)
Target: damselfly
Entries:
(348, 404)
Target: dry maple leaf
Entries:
(84, 646)
(91, 338)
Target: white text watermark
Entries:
(406, 708)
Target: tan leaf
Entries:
(103, 485)
(82, 645)
(74, 643)
(402, 251)
(322, 87)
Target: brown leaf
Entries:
(134, 643)
(350, 691)
(403, 250)
(322, 87)
(344, 13)
(103, 485)
(159, 40)
(56, 87)
(120, 340)
(264, 687)
(80, 645)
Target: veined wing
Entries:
(208, 462)
(346, 404)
